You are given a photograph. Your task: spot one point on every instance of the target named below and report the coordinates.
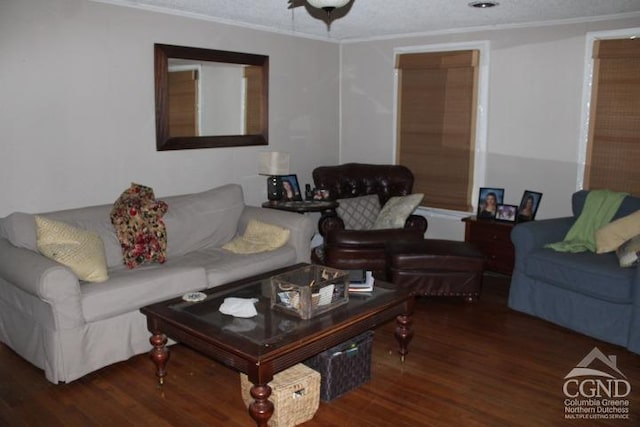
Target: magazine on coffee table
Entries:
(365, 285)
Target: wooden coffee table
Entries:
(271, 341)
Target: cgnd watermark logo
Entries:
(592, 393)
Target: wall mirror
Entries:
(209, 98)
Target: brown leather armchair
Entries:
(355, 249)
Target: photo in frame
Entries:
(529, 205)
(290, 188)
(488, 201)
(507, 213)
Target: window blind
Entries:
(437, 100)
(183, 103)
(253, 118)
(613, 153)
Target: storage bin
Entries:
(309, 291)
(295, 394)
(343, 367)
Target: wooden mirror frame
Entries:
(162, 53)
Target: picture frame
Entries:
(290, 188)
(488, 200)
(507, 213)
(529, 205)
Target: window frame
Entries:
(587, 91)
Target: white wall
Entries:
(535, 93)
(78, 110)
(78, 117)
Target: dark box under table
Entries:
(343, 367)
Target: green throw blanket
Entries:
(598, 210)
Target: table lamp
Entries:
(274, 164)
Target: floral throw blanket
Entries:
(137, 219)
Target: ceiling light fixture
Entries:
(328, 5)
(483, 4)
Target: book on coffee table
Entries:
(363, 286)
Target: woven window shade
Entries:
(614, 136)
(436, 124)
(183, 103)
(253, 76)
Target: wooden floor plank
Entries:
(469, 365)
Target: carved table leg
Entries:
(403, 332)
(261, 409)
(159, 354)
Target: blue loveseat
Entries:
(585, 292)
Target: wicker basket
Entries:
(343, 367)
(295, 394)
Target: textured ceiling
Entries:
(382, 18)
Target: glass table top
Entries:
(271, 328)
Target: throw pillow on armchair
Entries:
(395, 212)
(359, 213)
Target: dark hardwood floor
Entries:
(469, 365)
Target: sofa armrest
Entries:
(45, 279)
(302, 227)
(529, 236)
(633, 343)
(326, 223)
(417, 222)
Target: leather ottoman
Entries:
(436, 268)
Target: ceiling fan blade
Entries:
(295, 3)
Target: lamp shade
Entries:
(274, 163)
(321, 4)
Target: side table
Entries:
(493, 238)
(302, 206)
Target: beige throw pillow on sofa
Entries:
(258, 237)
(80, 250)
(614, 234)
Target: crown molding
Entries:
(202, 17)
(500, 27)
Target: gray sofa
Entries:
(70, 328)
(585, 292)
